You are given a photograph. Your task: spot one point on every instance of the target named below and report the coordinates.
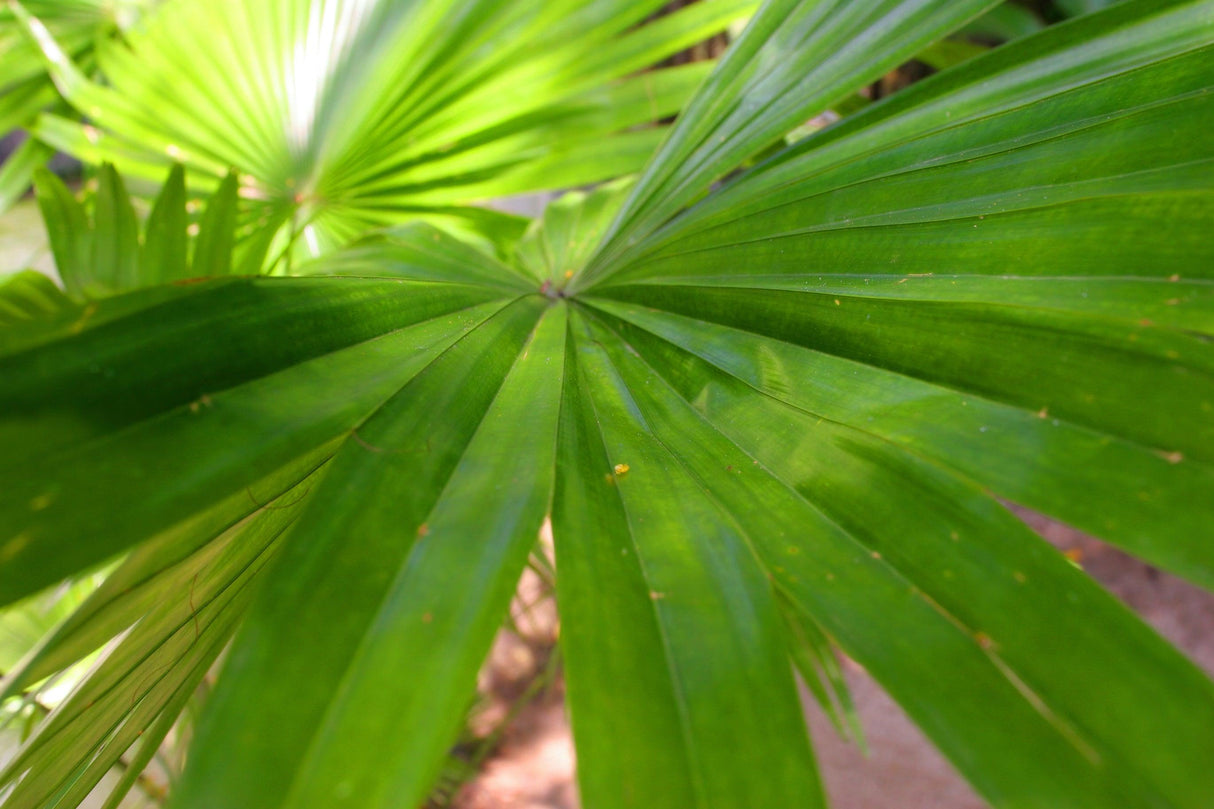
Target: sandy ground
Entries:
(534, 767)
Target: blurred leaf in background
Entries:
(339, 117)
(26, 89)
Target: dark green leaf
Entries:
(661, 598)
(164, 656)
(114, 261)
(1026, 278)
(792, 61)
(772, 417)
(439, 457)
(213, 248)
(1122, 491)
(66, 228)
(1060, 660)
(1004, 23)
(116, 410)
(158, 573)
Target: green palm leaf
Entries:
(349, 115)
(157, 664)
(763, 419)
(26, 88)
(29, 295)
(1071, 240)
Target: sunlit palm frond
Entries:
(342, 115)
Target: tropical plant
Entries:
(342, 116)
(82, 26)
(768, 413)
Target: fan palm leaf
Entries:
(343, 115)
(764, 411)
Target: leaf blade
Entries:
(412, 447)
(979, 570)
(100, 460)
(711, 608)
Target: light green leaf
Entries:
(350, 115)
(29, 295)
(557, 246)
(24, 625)
(26, 89)
(18, 171)
(104, 255)
(421, 252)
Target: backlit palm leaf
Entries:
(341, 115)
(25, 87)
